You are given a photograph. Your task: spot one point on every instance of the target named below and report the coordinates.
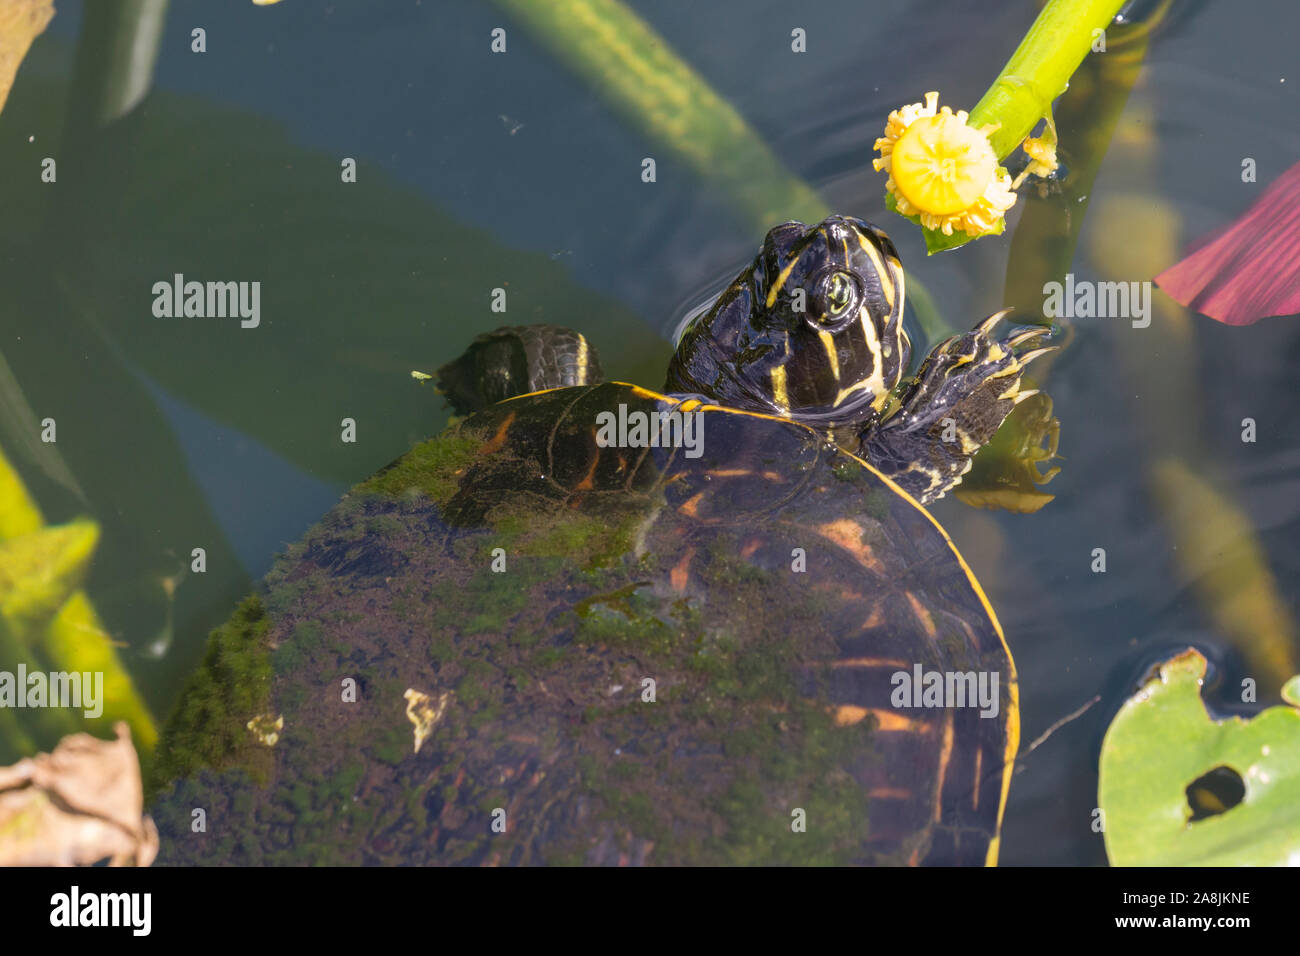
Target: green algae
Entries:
(545, 660)
(593, 541)
(877, 503)
(876, 500)
(733, 690)
(208, 728)
(292, 654)
(725, 685)
(624, 618)
(432, 468)
(845, 469)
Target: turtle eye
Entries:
(839, 297)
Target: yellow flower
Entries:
(1042, 156)
(943, 171)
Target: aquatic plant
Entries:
(944, 171)
(1179, 787)
(48, 623)
(1251, 268)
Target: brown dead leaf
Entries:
(21, 22)
(76, 806)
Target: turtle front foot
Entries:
(958, 400)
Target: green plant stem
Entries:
(1043, 245)
(1040, 69)
(636, 71)
(115, 60)
(1037, 73)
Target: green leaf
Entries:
(40, 571)
(1163, 740)
(328, 328)
(936, 241)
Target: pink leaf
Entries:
(1251, 269)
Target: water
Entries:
(478, 171)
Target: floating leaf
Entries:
(1181, 788)
(20, 431)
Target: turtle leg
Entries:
(515, 360)
(959, 398)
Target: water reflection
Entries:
(230, 167)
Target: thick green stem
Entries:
(1040, 69)
(1037, 73)
(1045, 238)
(115, 60)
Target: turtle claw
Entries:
(985, 327)
(1024, 358)
(964, 390)
(1027, 335)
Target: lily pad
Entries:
(1166, 765)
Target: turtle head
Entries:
(811, 330)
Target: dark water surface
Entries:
(478, 171)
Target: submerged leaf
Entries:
(1217, 552)
(40, 571)
(1251, 269)
(1181, 788)
(20, 431)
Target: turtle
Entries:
(595, 623)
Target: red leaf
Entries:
(1251, 269)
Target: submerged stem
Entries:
(1040, 69)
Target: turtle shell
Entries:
(520, 644)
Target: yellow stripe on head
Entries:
(780, 282)
(779, 394)
(876, 380)
(897, 271)
(886, 278)
(832, 353)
